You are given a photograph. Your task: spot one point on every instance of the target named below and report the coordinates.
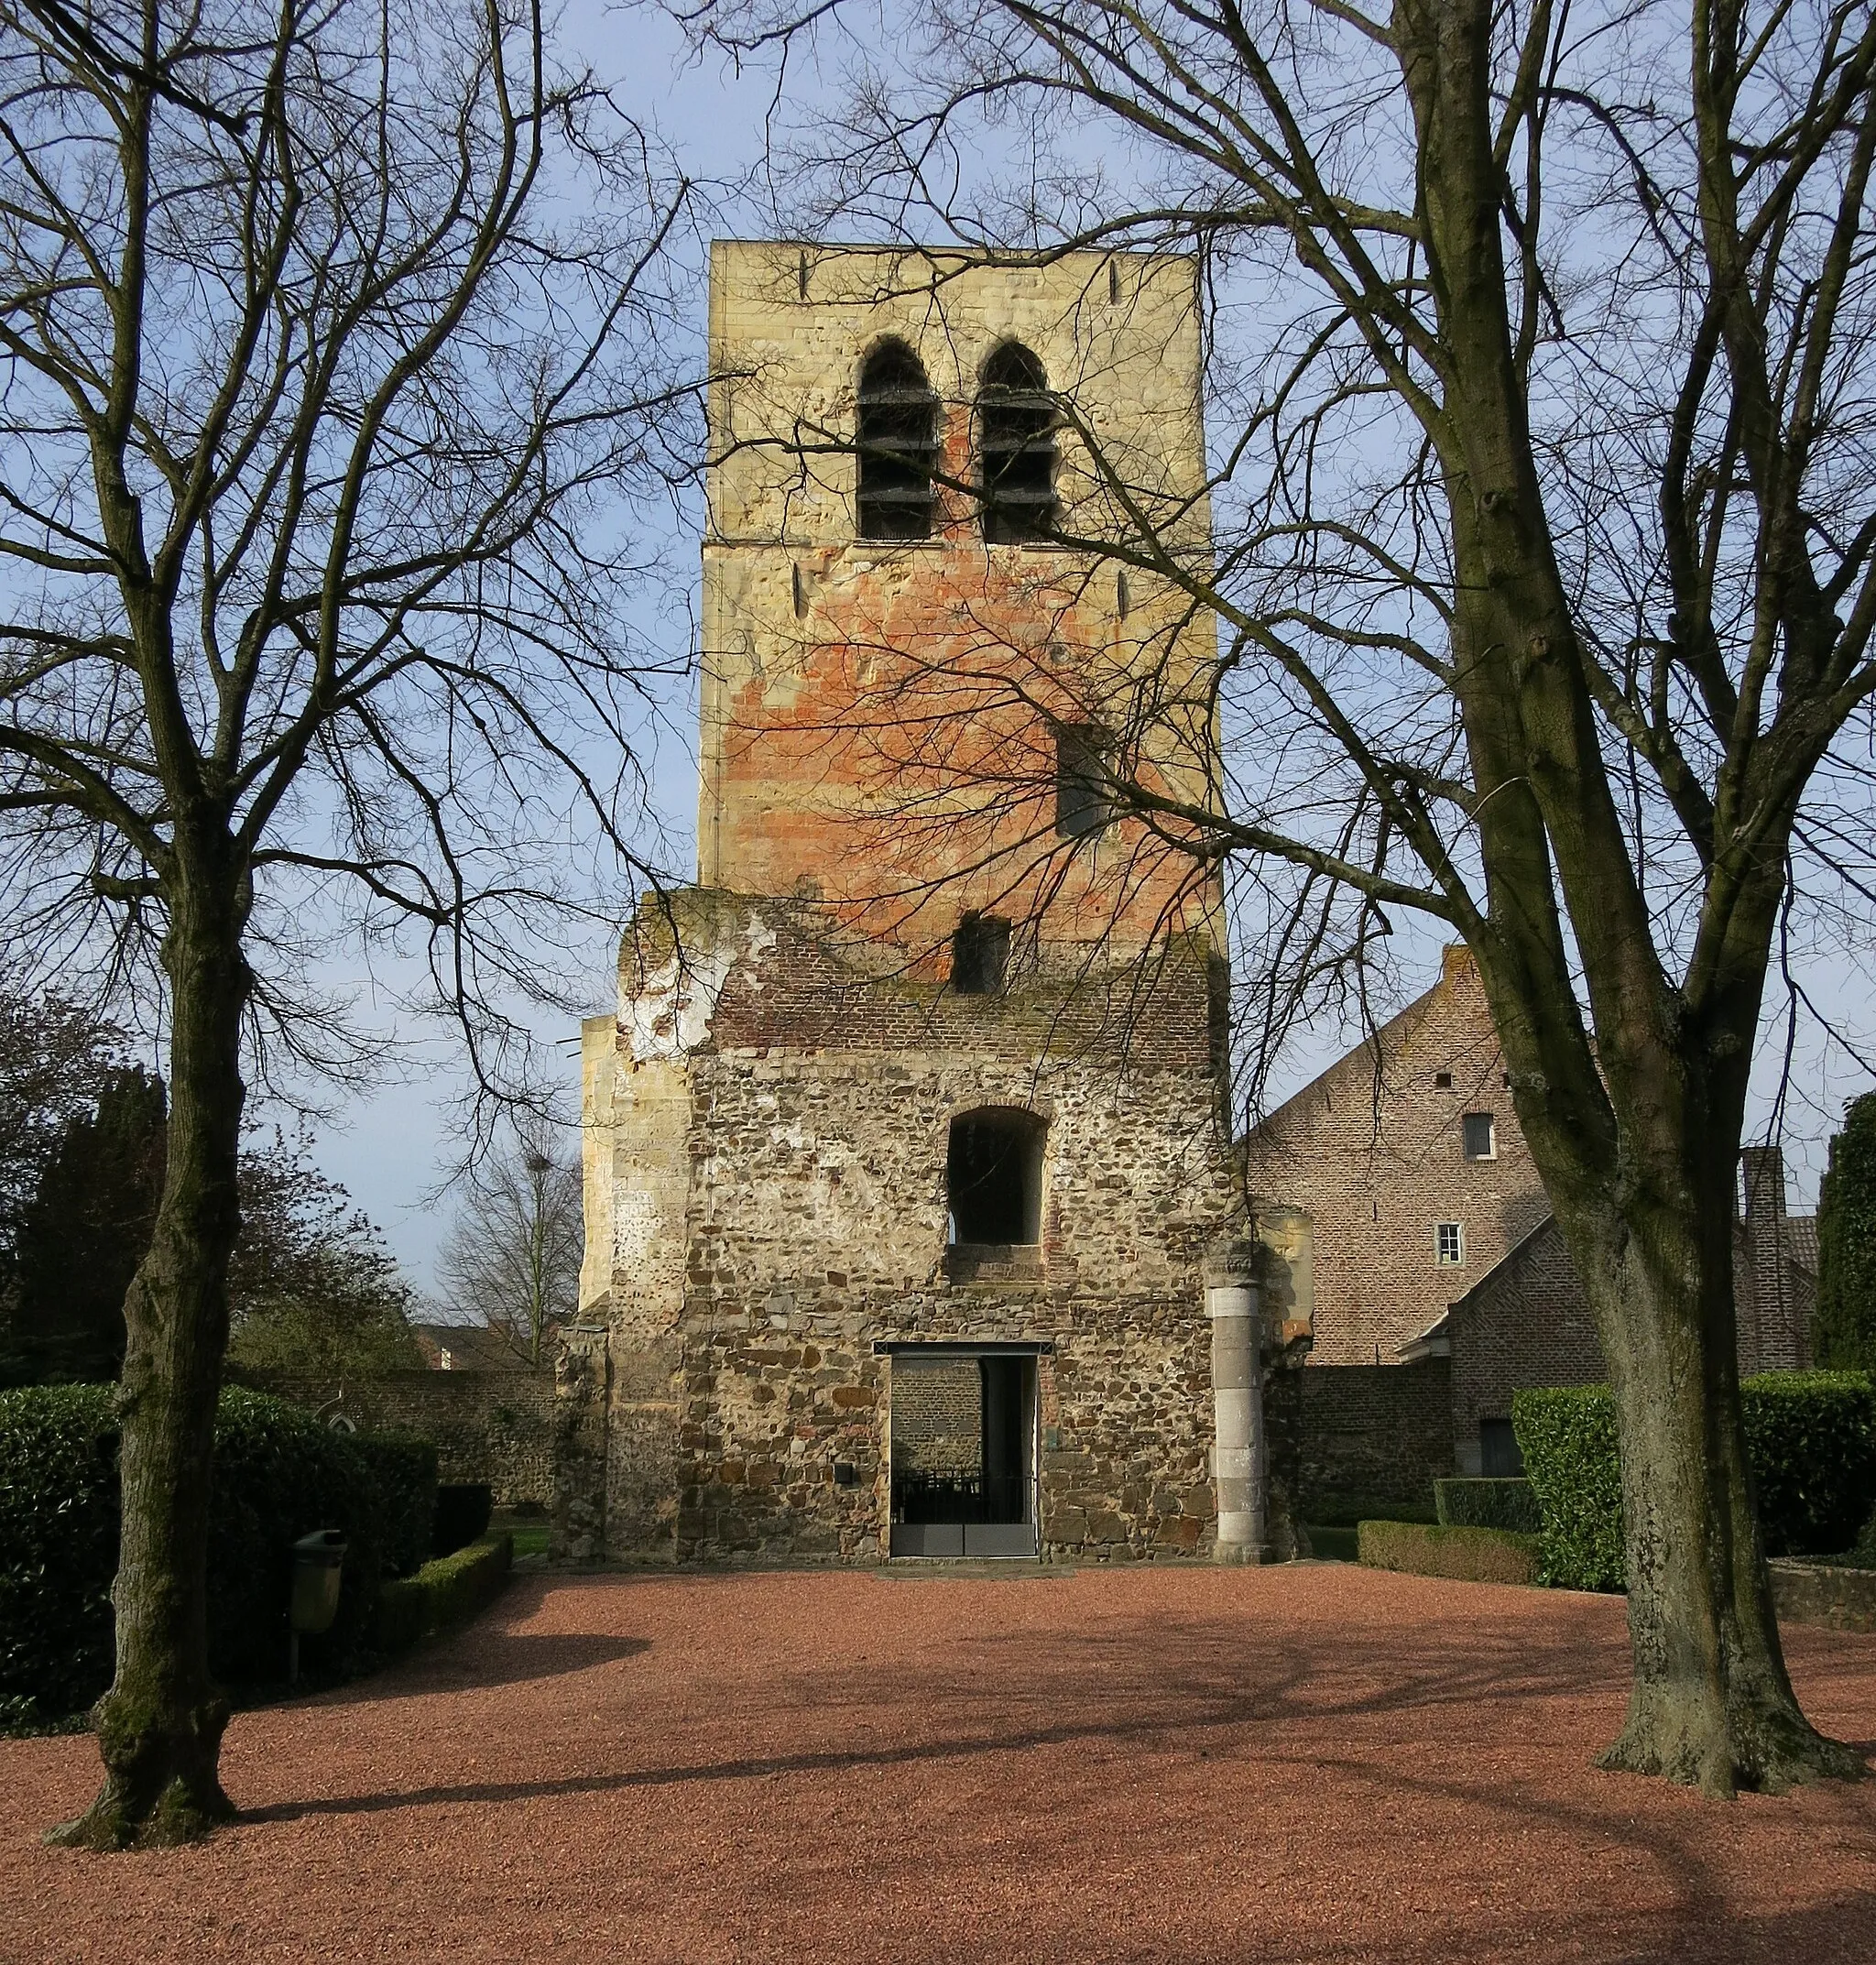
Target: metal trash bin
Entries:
(318, 1561)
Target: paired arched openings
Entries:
(899, 440)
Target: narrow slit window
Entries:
(1481, 1136)
(1449, 1245)
(898, 444)
(1016, 444)
(1082, 806)
(979, 954)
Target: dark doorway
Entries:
(964, 1453)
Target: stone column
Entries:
(1238, 1453)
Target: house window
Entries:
(898, 445)
(1480, 1135)
(1015, 447)
(1449, 1245)
(1443, 1081)
(979, 954)
(1081, 795)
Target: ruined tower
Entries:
(911, 1225)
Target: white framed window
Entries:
(1480, 1134)
(1448, 1244)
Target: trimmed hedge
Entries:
(1568, 1440)
(449, 1590)
(404, 1467)
(1810, 1442)
(463, 1509)
(1465, 1554)
(1488, 1503)
(1334, 1509)
(278, 1474)
(58, 1548)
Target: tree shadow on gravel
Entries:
(1213, 1686)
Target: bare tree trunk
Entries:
(160, 1726)
(1710, 1702)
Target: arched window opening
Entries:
(994, 1177)
(898, 445)
(1016, 444)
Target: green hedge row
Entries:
(1487, 1503)
(404, 1468)
(1466, 1555)
(1810, 1442)
(446, 1591)
(278, 1473)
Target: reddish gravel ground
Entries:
(1310, 1763)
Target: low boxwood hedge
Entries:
(1810, 1443)
(446, 1591)
(1465, 1554)
(278, 1473)
(1487, 1503)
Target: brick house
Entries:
(1404, 1226)
(912, 1228)
(1395, 1179)
(1527, 1323)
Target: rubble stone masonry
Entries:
(781, 1216)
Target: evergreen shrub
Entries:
(1464, 1554)
(278, 1473)
(1810, 1443)
(1487, 1503)
(1843, 1324)
(463, 1509)
(58, 1548)
(1567, 1438)
(404, 1467)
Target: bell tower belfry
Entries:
(912, 1229)
(912, 677)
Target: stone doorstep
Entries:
(1807, 1592)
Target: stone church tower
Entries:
(911, 1228)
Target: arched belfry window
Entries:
(898, 445)
(1016, 444)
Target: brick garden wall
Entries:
(1380, 1430)
(492, 1426)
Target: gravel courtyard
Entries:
(1309, 1763)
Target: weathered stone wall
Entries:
(1372, 1154)
(832, 662)
(1380, 1430)
(492, 1426)
(816, 1104)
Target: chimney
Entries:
(1455, 961)
(1761, 1169)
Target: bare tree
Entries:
(1540, 556)
(329, 336)
(512, 1255)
